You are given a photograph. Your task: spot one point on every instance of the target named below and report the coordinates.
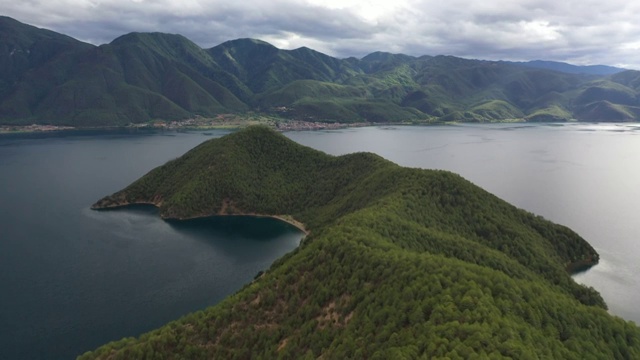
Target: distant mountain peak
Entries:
(386, 56)
(245, 42)
(570, 68)
(137, 37)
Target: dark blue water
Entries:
(72, 279)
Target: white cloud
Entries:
(585, 32)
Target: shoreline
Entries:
(284, 218)
(282, 125)
(583, 265)
(290, 126)
(222, 122)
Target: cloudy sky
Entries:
(583, 32)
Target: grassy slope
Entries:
(399, 263)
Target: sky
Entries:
(581, 32)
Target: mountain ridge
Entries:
(49, 78)
(570, 68)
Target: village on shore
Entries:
(223, 121)
(7, 129)
(228, 121)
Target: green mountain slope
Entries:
(136, 78)
(50, 78)
(398, 263)
(379, 60)
(27, 73)
(262, 66)
(24, 47)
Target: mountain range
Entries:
(50, 78)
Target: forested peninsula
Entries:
(398, 263)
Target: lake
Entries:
(78, 278)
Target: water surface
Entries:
(72, 278)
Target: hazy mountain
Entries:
(51, 78)
(572, 69)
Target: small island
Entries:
(397, 263)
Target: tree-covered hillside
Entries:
(398, 263)
(50, 78)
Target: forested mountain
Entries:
(50, 78)
(398, 263)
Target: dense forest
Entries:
(50, 78)
(398, 263)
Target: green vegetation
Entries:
(48, 78)
(498, 110)
(399, 263)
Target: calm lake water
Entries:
(73, 278)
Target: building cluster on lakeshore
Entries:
(198, 122)
(231, 120)
(32, 128)
(308, 125)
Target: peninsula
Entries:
(398, 263)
